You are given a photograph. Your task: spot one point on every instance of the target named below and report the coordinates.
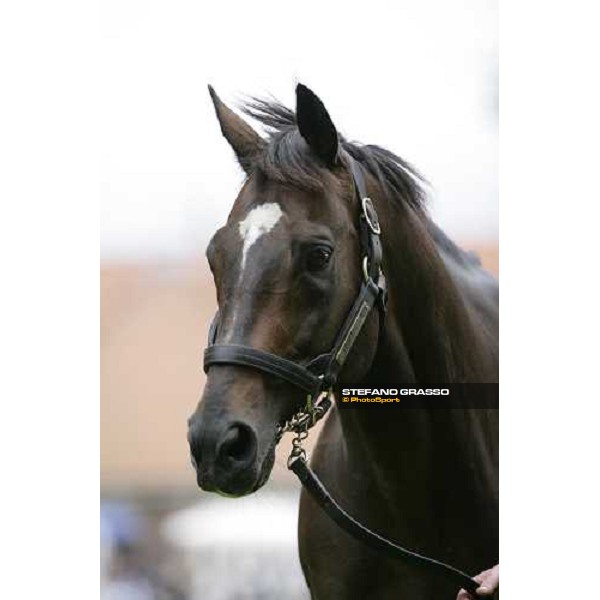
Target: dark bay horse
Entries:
(287, 269)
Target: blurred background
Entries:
(419, 77)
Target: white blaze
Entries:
(258, 221)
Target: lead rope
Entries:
(300, 424)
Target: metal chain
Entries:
(302, 421)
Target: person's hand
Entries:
(489, 583)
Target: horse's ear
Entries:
(315, 125)
(246, 143)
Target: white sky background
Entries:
(418, 77)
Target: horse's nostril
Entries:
(238, 444)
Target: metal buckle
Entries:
(370, 215)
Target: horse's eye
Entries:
(318, 258)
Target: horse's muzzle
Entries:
(225, 462)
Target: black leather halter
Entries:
(321, 373)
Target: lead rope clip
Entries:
(302, 421)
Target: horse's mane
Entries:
(287, 159)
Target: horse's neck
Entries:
(427, 324)
(425, 465)
(428, 338)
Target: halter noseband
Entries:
(321, 373)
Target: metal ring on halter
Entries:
(365, 268)
(370, 215)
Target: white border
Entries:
(549, 107)
(49, 319)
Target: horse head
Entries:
(287, 268)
